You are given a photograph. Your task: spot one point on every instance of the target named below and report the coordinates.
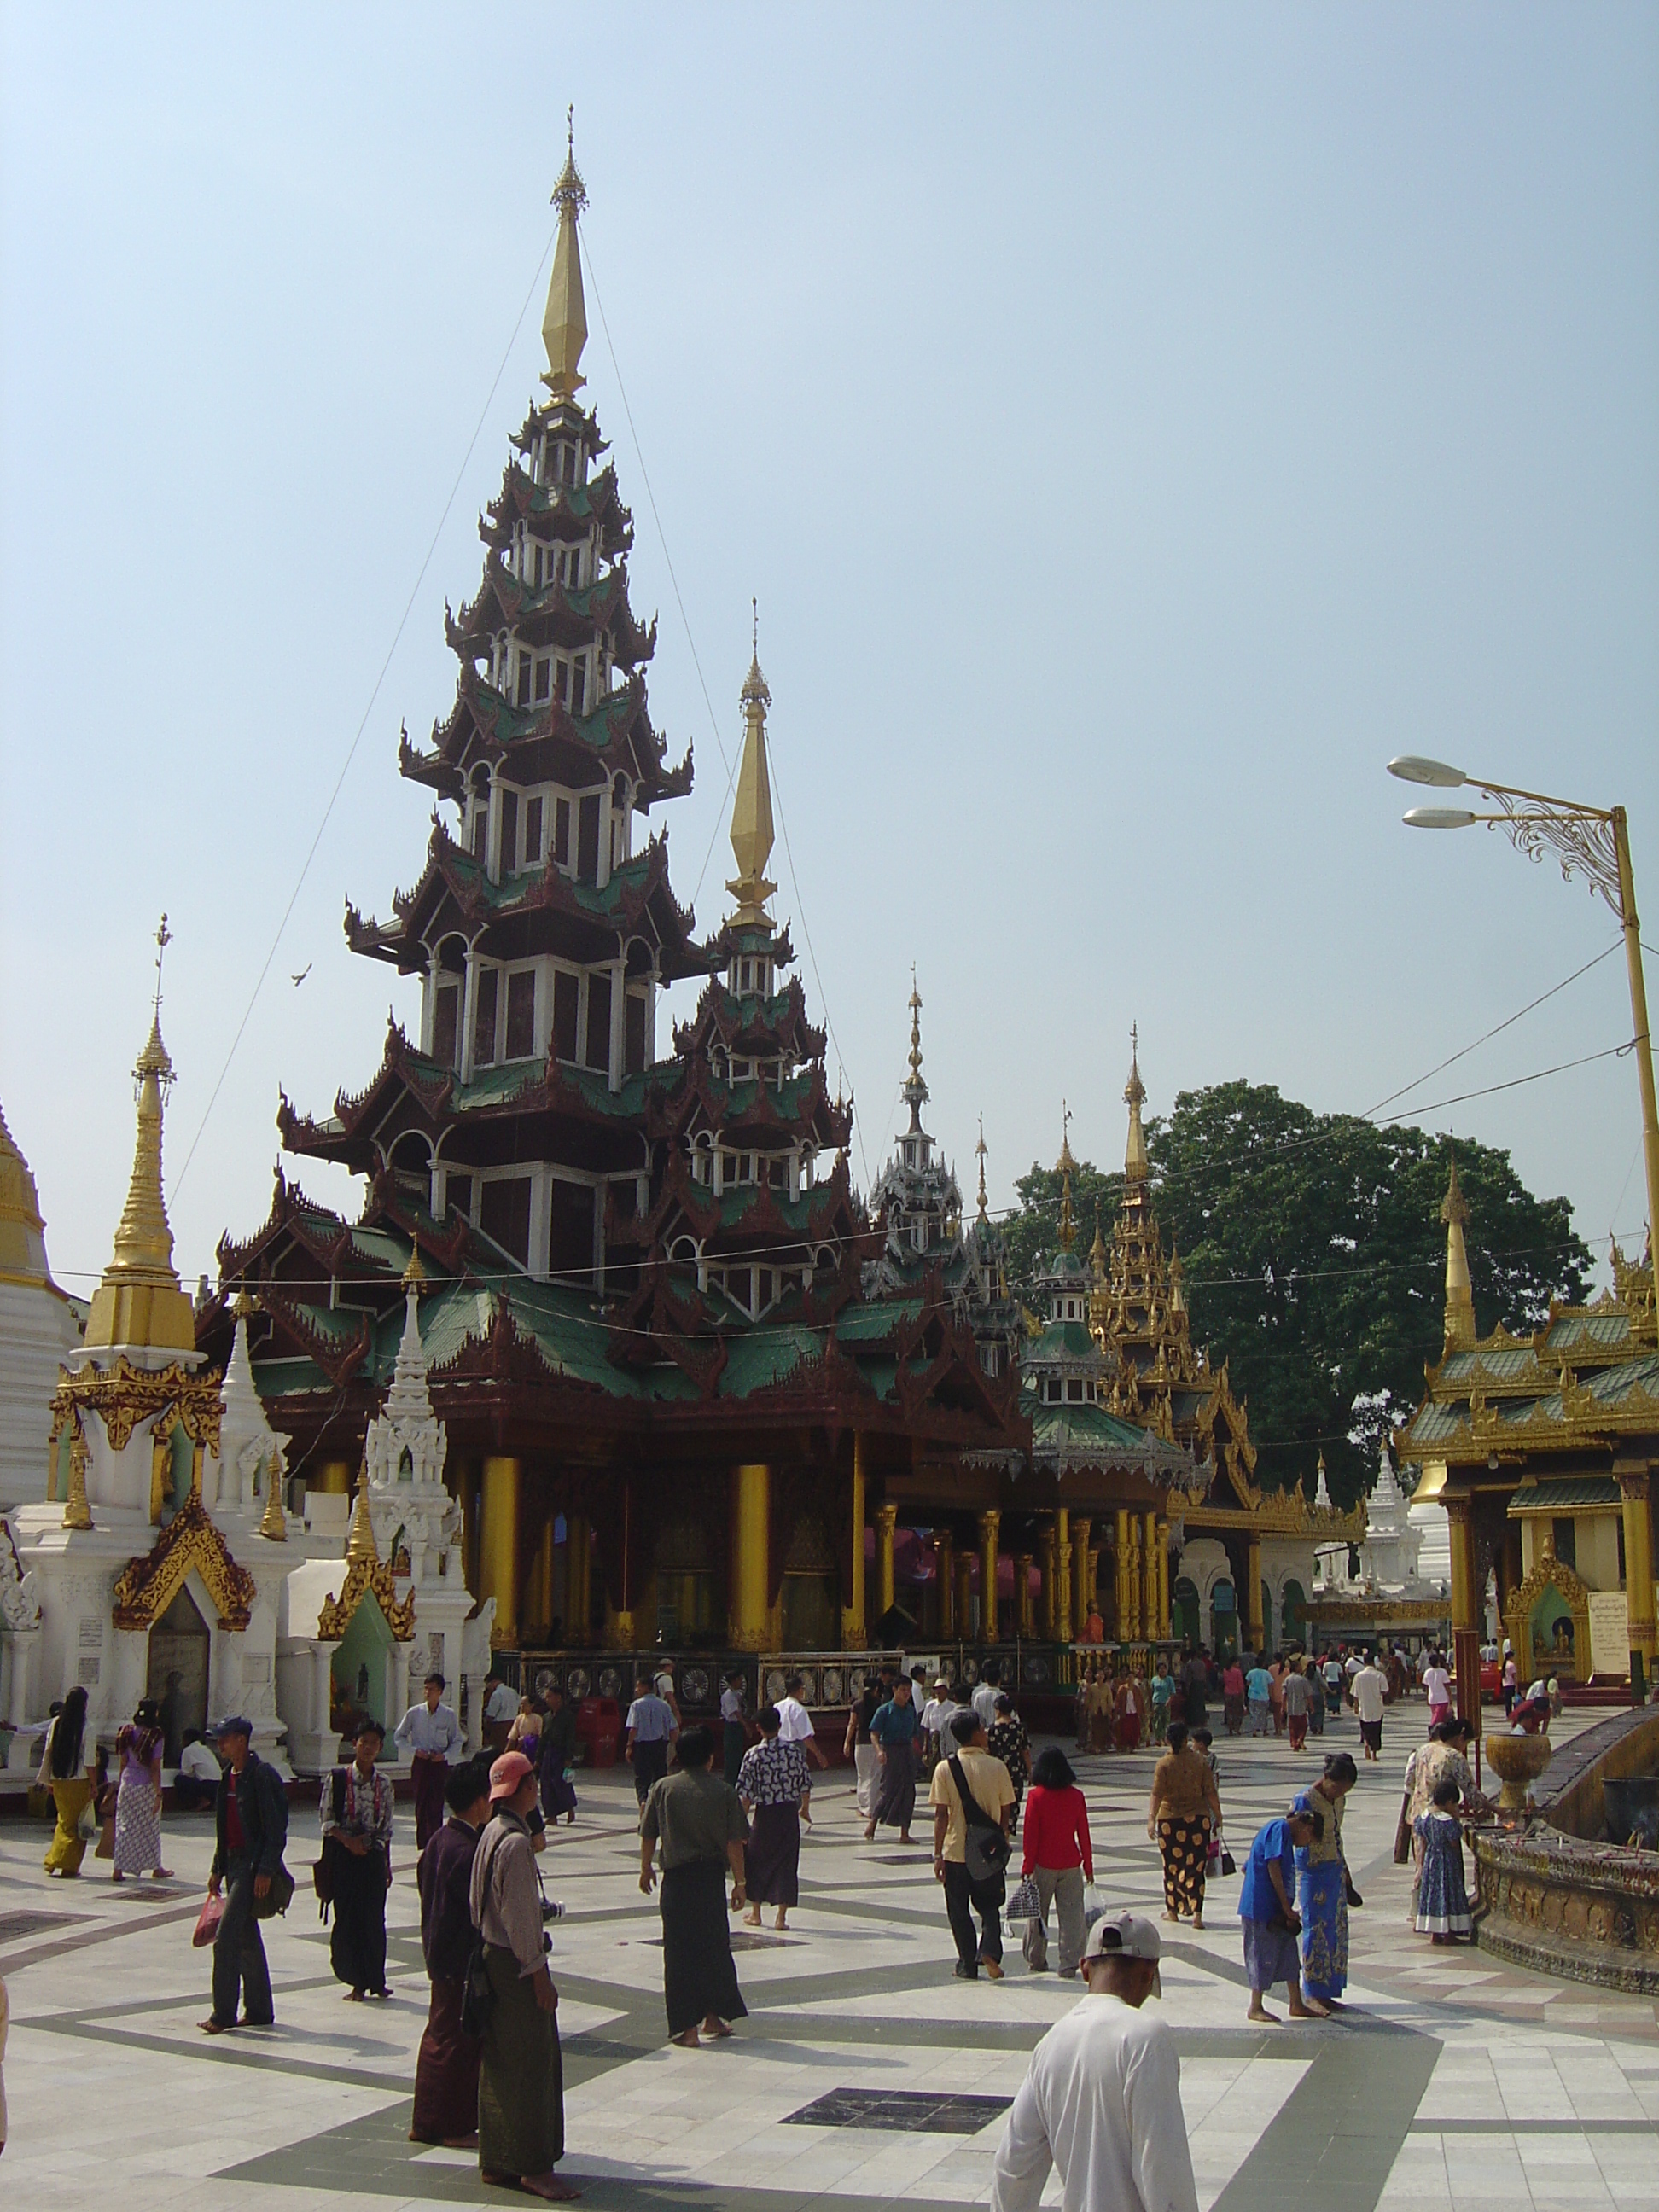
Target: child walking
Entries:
(1443, 1902)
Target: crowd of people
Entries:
(730, 1809)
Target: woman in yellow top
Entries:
(1185, 1811)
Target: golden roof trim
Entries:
(124, 1395)
(366, 1578)
(146, 1587)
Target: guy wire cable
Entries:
(351, 752)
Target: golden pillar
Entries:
(855, 1633)
(1164, 1579)
(1082, 1528)
(1256, 1629)
(1125, 1587)
(544, 1576)
(943, 1561)
(1062, 1627)
(751, 1513)
(333, 1479)
(161, 1473)
(989, 1523)
(886, 1522)
(77, 1513)
(1465, 1611)
(1021, 1593)
(1638, 1574)
(964, 1593)
(1135, 1585)
(1046, 1578)
(498, 1545)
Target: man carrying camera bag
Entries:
(973, 1801)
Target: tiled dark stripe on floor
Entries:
(1339, 2132)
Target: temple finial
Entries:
(140, 1300)
(980, 1149)
(751, 831)
(1460, 1295)
(361, 1545)
(1134, 1097)
(564, 325)
(1063, 1167)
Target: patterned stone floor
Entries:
(1454, 2082)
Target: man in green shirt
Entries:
(698, 1820)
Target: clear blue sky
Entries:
(1136, 425)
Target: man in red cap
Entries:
(521, 2079)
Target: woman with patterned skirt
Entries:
(1183, 1814)
(1006, 1739)
(1324, 1890)
(775, 1786)
(138, 1795)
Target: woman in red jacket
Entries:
(1059, 1858)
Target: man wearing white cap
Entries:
(1102, 2100)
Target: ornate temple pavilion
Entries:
(1232, 1537)
(671, 1409)
(1543, 1450)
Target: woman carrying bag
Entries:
(1183, 1814)
(1059, 1859)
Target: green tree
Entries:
(1315, 1260)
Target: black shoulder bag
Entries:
(986, 1850)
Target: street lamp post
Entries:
(1592, 842)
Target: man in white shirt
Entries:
(1102, 2102)
(500, 1711)
(1370, 1692)
(935, 1714)
(984, 1699)
(1437, 1687)
(795, 1722)
(426, 1733)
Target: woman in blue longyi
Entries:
(1324, 1890)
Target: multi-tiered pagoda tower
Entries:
(671, 1411)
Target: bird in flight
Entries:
(303, 973)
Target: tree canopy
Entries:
(1315, 1260)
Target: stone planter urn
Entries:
(1518, 1760)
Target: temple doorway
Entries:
(1224, 1621)
(180, 1645)
(811, 1591)
(1293, 1623)
(1184, 1613)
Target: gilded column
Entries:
(1082, 1529)
(751, 1513)
(886, 1522)
(1023, 1593)
(989, 1524)
(855, 1633)
(1633, 1490)
(944, 1563)
(1063, 1622)
(1164, 1579)
(1134, 1584)
(1256, 1630)
(964, 1593)
(161, 1473)
(1122, 1580)
(498, 1545)
(1466, 1619)
(1046, 1576)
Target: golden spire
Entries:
(1063, 1167)
(22, 1243)
(1460, 1298)
(1177, 1270)
(359, 1545)
(1097, 1250)
(1134, 1097)
(751, 810)
(564, 326)
(414, 1273)
(273, 1526)
(980, 1149)
(140, 1301)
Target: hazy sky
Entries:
(1136, 425)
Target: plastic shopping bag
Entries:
(207, 1921)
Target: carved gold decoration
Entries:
(272, 1526)
(77, 1513)
(1549, 1572)
(146, 1587)
(366, 1579)
(361, 1548)
(124, 1395)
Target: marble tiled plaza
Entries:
(1453, 2082)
